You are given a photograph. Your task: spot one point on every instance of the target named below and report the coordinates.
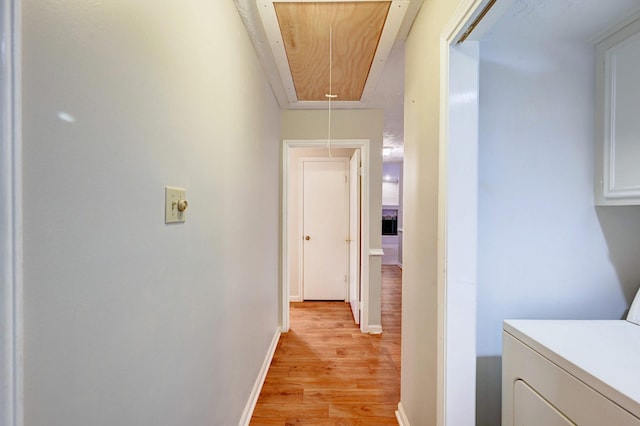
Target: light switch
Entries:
(175, 204)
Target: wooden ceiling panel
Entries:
(356, 28)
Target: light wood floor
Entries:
(326, 372)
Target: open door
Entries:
(354, 235)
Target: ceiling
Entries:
(550, 20)
(362, 43)
(351, 50)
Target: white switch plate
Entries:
(171, 197)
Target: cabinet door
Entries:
(530, 409)
(617, 123)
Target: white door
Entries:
(324, 229)
(354, 235)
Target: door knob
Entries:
(307, 238)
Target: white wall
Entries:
(420, 340)
(462, 234)
(351, 124)
(128, 320)
(544, 250)
(391, 175)
(293, 225)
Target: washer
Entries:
(565, 372)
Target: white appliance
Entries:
(564, 372)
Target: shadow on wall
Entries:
(621, 229)
(488, 390)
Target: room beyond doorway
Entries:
(290, 238)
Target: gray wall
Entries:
(392, 244)
(129, 321)
(544, 250)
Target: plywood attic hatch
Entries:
(299, 34)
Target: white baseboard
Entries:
(257, 387)
(374, 329)
(399, 265)
(401, 416)
(295, 299)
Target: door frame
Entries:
(457, 285)
(287, 146)
(301, 162)
(11, 282)
(354, 247)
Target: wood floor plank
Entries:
(358, 411)
(298, 410)
(270, 421)
(354, 396)
(325, 372)
(370, 421)
(315, 382)
(281, 393)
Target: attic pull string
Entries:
(330, 95)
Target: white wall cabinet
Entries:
(618, 117)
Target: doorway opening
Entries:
(356, 275)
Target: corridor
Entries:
(326, 372)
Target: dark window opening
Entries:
(389, 222)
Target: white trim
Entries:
(618, 27)
(272, 30)
(300, 218)
(401, 416)
(374, 329)
(458, 22)
(11, 278)
(364, 146)
(295, 298)
(463, 15)
(390, 30)
(441, 278)
(376, 252)
(257, 387)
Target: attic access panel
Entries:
(355, 32)
(363, 33)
